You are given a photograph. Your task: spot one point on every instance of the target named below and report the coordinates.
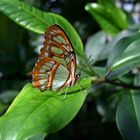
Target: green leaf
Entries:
(128, 116)
(134, 26)
(100, 71)
(120, 45)
(95, 47)
(38, 21)
(106, 106)
(112, 44)
(35, 113)
(106, 17)
(128, 60)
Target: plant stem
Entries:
(114, 82)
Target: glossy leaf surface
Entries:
(95, 47)
(38, 21)
(34, 112)
(120, 45)
(128, 116)
(106, 18)
(129, 59)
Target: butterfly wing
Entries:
(62, 78)
(49, 74)
(58, 53)
(56, 43)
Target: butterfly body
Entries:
(56, 67)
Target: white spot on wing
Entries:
(43, 87)
(46, 54)
(49, 42)
(43, 81)
(42, 70)
(65, 46)
(52, 33)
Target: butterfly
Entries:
(56, 66)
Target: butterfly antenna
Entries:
(60, 93)
(87, 62)
(90, 61)
(65, 93)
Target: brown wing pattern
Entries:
(43, 73)
(57, 51)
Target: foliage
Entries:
(109, 65)
(103, 14)
(36, 109)
(129, 106)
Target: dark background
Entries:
(17, 58)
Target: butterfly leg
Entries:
(65, 93)
(60, 92)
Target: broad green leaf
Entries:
(35, 113)
(112, 44)
(126, 79)
(128, 116)
(95, 47)
(38, 21)
(134, 26)
(106, 106)
(120, 46)
(106, 17)
(128, 60)
(99, 70)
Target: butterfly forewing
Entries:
(56, 44)
(56, 67)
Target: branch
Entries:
(113, 82)
(125, 85)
